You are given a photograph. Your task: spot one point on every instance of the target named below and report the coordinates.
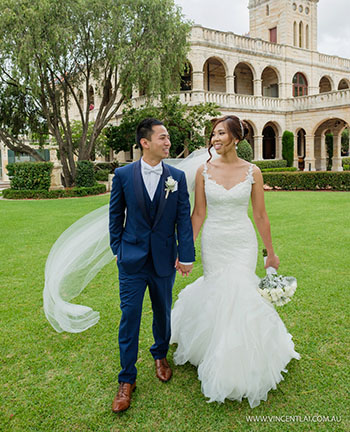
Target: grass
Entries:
(66, 382)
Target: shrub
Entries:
(245, 151)
(309, 180)
(288, 147)
(102, 175)
(30, 175)
(46, 194)
(346, 167)
(346, 161)
(85, 174)
(270, 163)
(278, 169)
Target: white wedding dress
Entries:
(220, 322)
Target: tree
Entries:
(58, 52)
(288, 147)
(19, 117)
(244, 150)
(345, 142)
(185, 125)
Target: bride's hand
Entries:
(272, 261)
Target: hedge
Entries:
(346, 161)
(309, 180)
(85, 174)
(270, 163)
(279, 169)
(61, 193)
(102, 175)
(30, 175)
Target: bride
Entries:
(220, 322)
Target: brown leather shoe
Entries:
(122, 400)
(163, 370)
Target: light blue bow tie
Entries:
(158, 169)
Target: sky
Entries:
(233, 15)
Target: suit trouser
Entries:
(132, 288)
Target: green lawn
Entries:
(66, 382)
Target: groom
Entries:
(150, 233)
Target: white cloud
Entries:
(233, 15)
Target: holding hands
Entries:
(183, 269)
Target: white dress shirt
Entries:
(151, 176)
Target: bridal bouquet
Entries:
(277, 289)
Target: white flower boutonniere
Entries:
(170, 186)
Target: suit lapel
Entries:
(138, 185)
(162, 200)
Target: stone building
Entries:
(274, 79)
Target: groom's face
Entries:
(158, 145)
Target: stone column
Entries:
(278, 147)
(295, 156)
(230, 84)
(4, 162)
(257, 87)
(323, 158)
(309, 153)
(197, 81)
(336, 159)
(136, 153)
(56, 182)
(258, 147)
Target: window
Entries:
(267, 10)
(299, 85)
(273, 35)
(294, 6)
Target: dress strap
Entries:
(250, 176)
(205, 170)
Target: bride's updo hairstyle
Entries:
(234, 126)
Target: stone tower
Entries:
(290, 22)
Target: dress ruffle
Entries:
(237, 340)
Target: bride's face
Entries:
(222, 140)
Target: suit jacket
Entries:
(133, 235)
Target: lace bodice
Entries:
(227, 204)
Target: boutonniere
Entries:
(170, 186)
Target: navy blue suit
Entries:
(147, 236)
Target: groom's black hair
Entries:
(144, 129)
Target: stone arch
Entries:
(251, 134)
(301, 147)
(328, 125)
(186, 77)
(215, 71)
(270, 82)
(325, 84)
(270, 133)
(244, 78)
(301, 34)
(300, 84)
(344, 84)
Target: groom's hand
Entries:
(184, 269)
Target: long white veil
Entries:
(81, 252)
